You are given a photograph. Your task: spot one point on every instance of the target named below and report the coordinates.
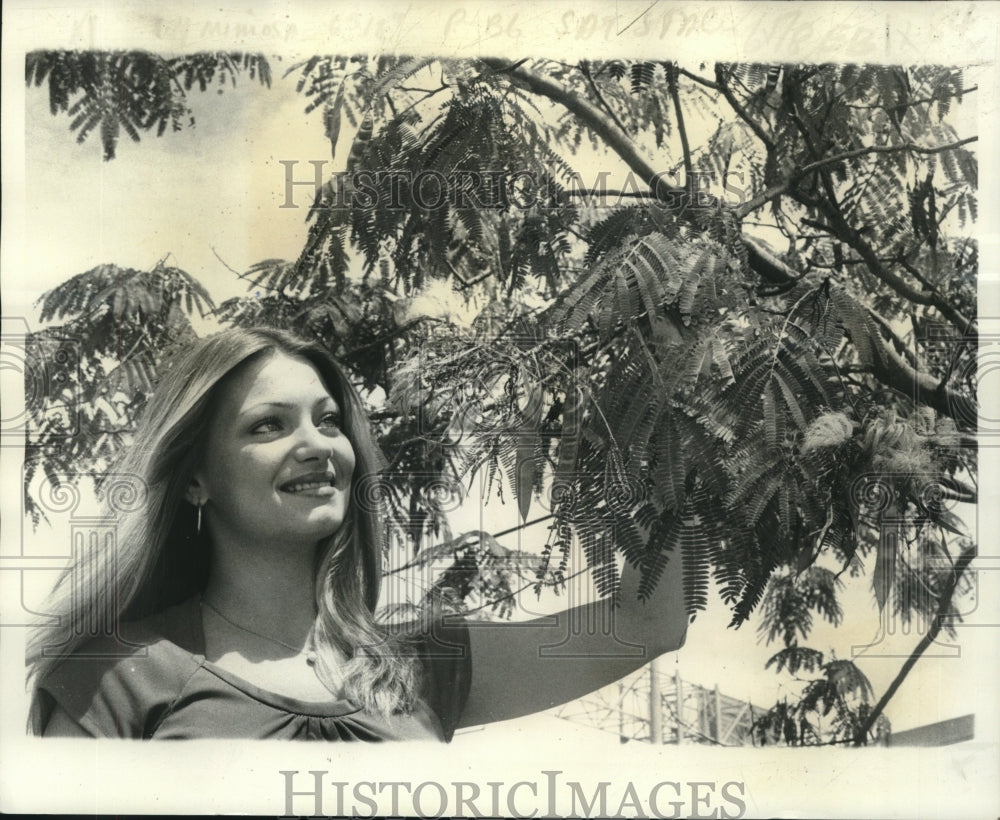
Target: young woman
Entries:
(241, 593)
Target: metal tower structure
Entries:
(650, 707)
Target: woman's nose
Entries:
(313, 443)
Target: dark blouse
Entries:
(156, 683)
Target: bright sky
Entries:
(213, 189)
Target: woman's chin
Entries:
(324, 524)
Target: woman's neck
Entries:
(270, 591)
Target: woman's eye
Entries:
(269, 425)
(330, 420)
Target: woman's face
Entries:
(277, 467)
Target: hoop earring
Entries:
(198, 531)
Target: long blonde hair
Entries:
(159, 560)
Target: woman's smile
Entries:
(315, 484)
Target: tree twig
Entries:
(700, 80)
(886, 149)
(944, 602)
(681, 130)
(901, 347)
(610, 192)
(776, 190)
(585, 69)
(741, 112)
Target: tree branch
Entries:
(606, 192)
(890, 368)
(861, 736)
(885, 149)
(901, 347)
(585, 69)
(916, 274)
(591, 116)
(388, 337)
(894, 371)
(767, 265)
(762, 198)
(679, 113)
(741, 112)
(846, 233)
(777, 190)
(700, 80)
(910, 103)
(428, 93)
(854, 239)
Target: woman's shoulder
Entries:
(440, 641)
(179, 625)
(116, 684)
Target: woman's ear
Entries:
(195, 493)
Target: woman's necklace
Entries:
(310, 643)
